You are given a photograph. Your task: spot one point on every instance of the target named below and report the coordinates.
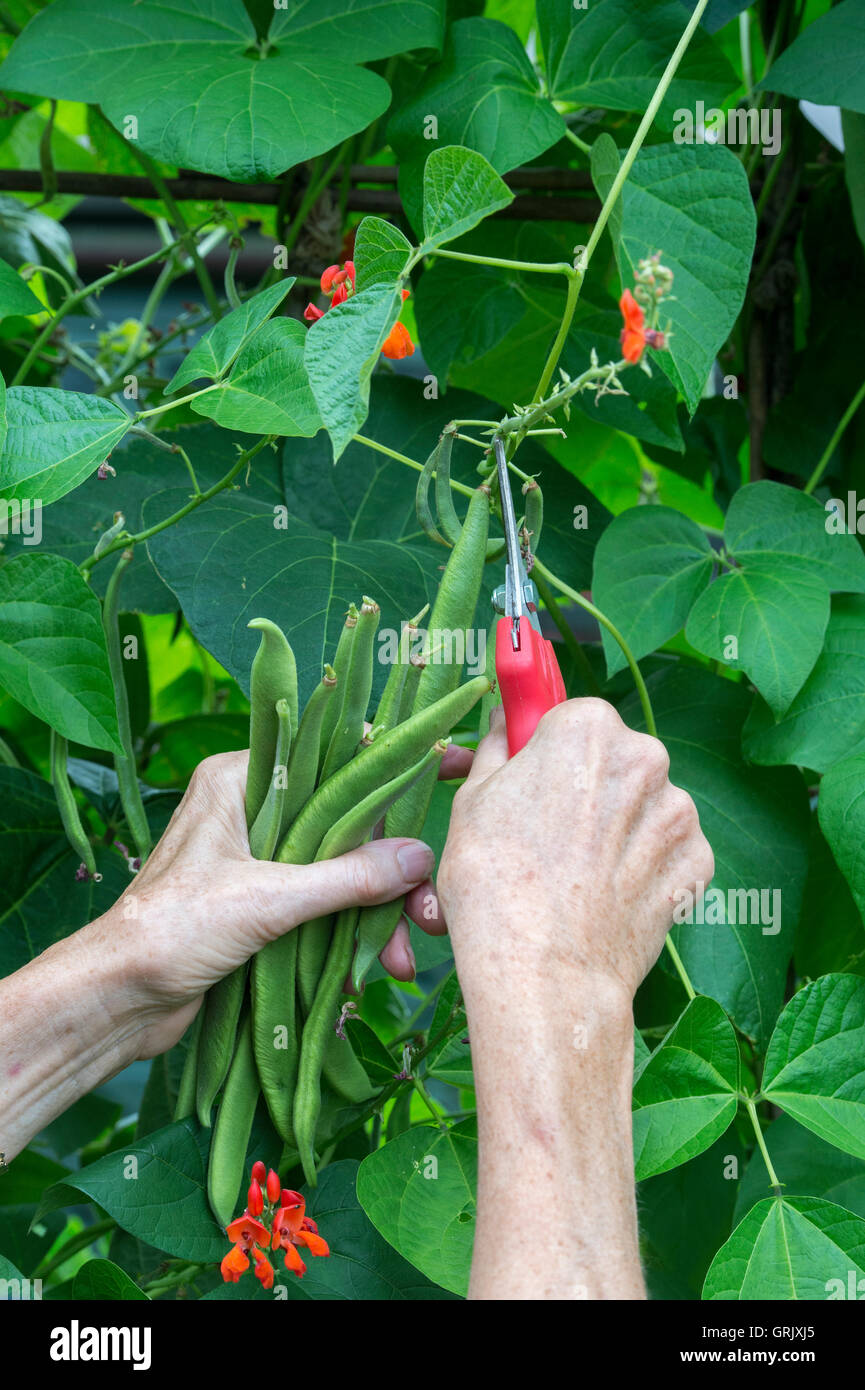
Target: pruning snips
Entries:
(527, 671)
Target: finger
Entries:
(457, 762)
(492, 751)
(378, 872)
(397, 956)
(423, 907)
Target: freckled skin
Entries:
(557, 892)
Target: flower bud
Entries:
(255, 1200)
(258, 1171)
(274, 1186)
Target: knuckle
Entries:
(652, 757)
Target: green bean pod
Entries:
(227, 1162)
(447, 512)
(274, 1028)
(422, 506)
(265, 833)
(307, 1100)
(453, 610)
(68, 806)
(493, 698)
(394, 752)
(273, 677)
(219, 1014)
(341, 1068)
(125, 765)
(534, 518)
(349, 727)
(184, 1106)
(387, 715)
(349, 832)
(305, 749)
(341, 663)
(409, 691)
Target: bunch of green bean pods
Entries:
(269, 1034)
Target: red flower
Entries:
(289, 1227)
(635, 337)
(263, 1268)
(398, 342)
(327, 278)
(310, 313)
(246, 1231)
(234, 1264)
(255, 1200)
(292, 1228)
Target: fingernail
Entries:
(410, 960)
(416, 862)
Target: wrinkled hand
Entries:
(201, 905)
(570, 854)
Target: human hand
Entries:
(571, 853)
(201, 905)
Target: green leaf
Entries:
(842, 820)
(693, 204)
(102, 1281)
(178, 748)
(28, 235)
(370, 1051)
(54, 440)
(614, 54)
(484, 94)
(809, 1167)
(756, 820)
(53, 658)
(853, 128)
(380, 253)
(650, 565)
(686, 1093)
(239, 118)
(16, 296)
(460, 189)
(342, 349)
(826, 720)
(217, 350)
(776, 602)
(363, 29)
(268, 391)
(3, 421)
(824, 63)
(789, 1248)
(831, 931)
(419, 1192)
(165, 1203)
(815, 1065)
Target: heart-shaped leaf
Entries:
(419, 1192)
(790, 1248)
(815, 1065)
(841, 810)
(54, 440)
(215, 352)
(823, 64)
(16, 296)
(686, 1093)
(460, 189)
(102, 1281)
(53, 658)
(380, 253)
(268, 390)
(365, 29)
(342, 349)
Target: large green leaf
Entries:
(215, 352)
(380, 252)
(650, 565)
(826, 721)
(775, 601)
(53, 658)
(484, 94)
(693, 204)
(102, 1281)
(613, 55)
(54, 440)
(686, 1093)
(16, 296)
(808, 1166)
(853, 128)
(756, 820)
(342, 350)
(268, 390)
(824, 64)
(2, 414)
(831, 931)
(790, 1248)
(28, 235)
(363, 29)
(419, 1192)
(164, 1202)
(815, 1065)
(460, 189)
(842, 819)
(239, 118)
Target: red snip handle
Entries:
(529, 680)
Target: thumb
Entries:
(378, 872)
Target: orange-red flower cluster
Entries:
(285, 1226)
(340, 283)
(635, 337)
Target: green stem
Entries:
(533, 267)
(575, 281)
(181, 400)
(234, 251)
(422, 1007)
(428, 1102)
(119, 272)
(835, 440)
(314, 190)
(80, 1241)
(7, 757)
(575, 140)
(642, 131)
(174, 211)
(758, 1132)
(579, 656)
(242, 460)
(410, 463)
(125, 764)
(602, 618)
(680, 968)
